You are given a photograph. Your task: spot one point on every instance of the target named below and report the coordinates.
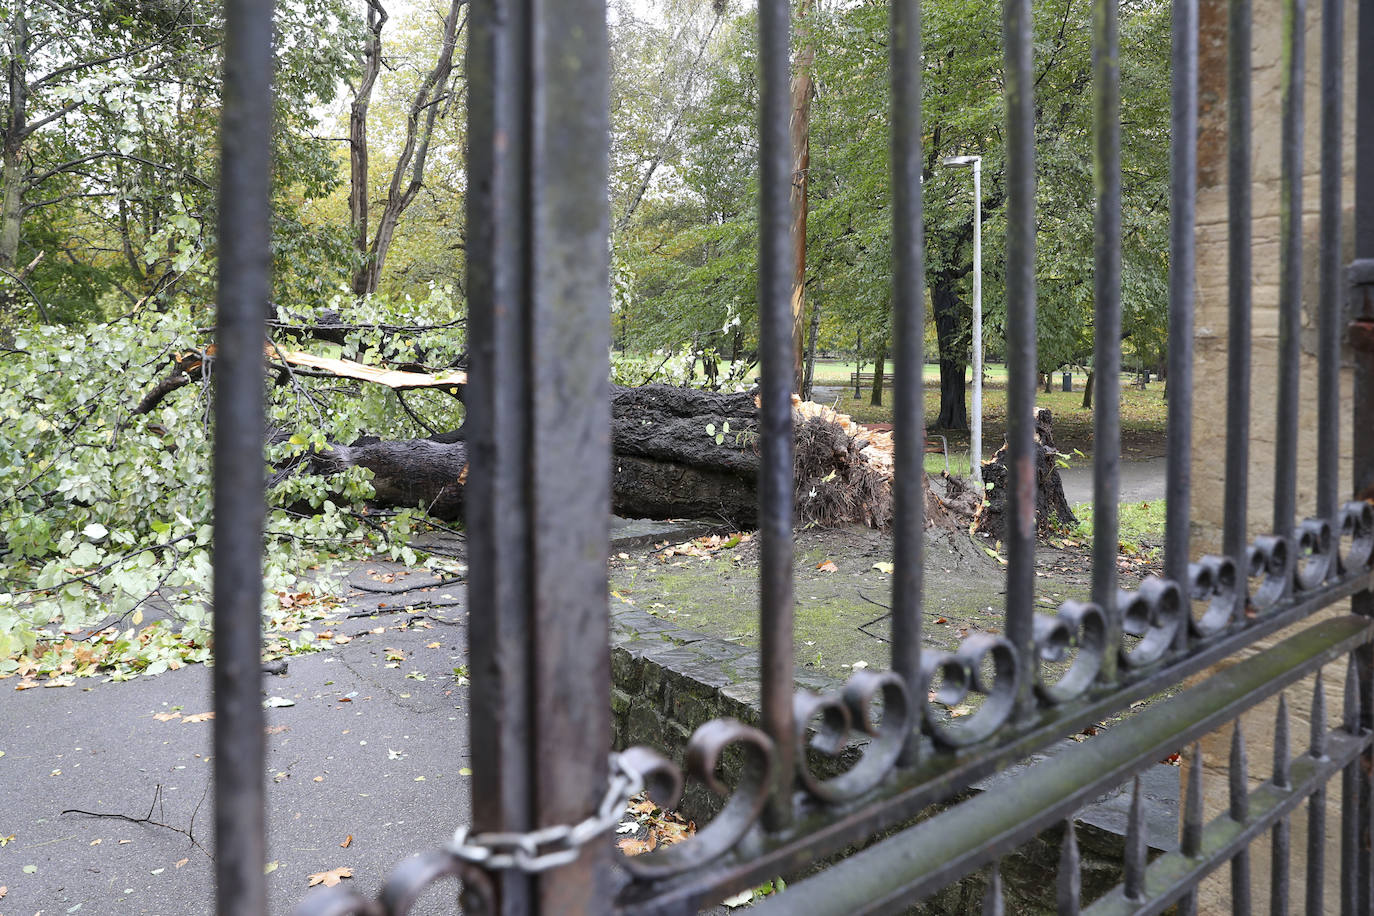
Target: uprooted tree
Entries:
(677, 452)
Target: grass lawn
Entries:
(1143, 415)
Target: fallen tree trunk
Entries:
(677, 453)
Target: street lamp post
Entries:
(976, 435)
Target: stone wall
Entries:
(668, 680)
(1210, 338)
(1210, 328)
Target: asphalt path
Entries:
(364, 768)
(1141, 481)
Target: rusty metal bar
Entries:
(908, 325)
(1182, 261)
(1329, 263)
(498, 507)
(539, 429)
(775, 399)
(1106, 302)
(244, 288)
(1292, 83)
(1238, 294)
(1361, 337)
(569, 469)
(1020, 339)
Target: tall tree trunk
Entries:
(802, 89)
(423, 112)
(358, 191)
(1088, 392)
(949, 332)
(13, 130)
(879, 368)
(858, 360)
(811, 349)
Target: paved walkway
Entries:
(373, 748)
(1141, 481)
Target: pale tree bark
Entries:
(13, 131)
(803, 88)
(686, 95)
(408, 177)
(357, 136)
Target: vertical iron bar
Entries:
(569, 468)
(1190, 843)
(1107, 302)
(244, 287)
(1240, 812)
(1281, 835)
(1238, 294)
(775, 407)
(1069, 887)
(908, 324)
(1329, 264)
(1362, 423)
(1182, 260)
(1316, 805)
(1020, 340)
(1134, 878)
(497, 503)
(1350, 801)
(994, 904)
(539, 494)
(1292, 84)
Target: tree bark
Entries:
(666, 463)
(949, 332)
(802, 89)
(811, 349)
(991, 518)
(879, 369)
(358, 191)
(1088, 392)
(423, 112)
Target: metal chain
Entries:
(549, 847)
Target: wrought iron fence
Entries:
(543, 791)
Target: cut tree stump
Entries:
(991, 518)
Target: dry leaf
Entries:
(275, 729)
(199, 717)
(97, 841)
(181, 862)
(331, 877)
(633, 846)
(348, 841)
(827, 566)
(3, 890)
(434, 645)
(166, 716)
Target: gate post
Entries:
(1361, 340)
(539, 432)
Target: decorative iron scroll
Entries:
(878, 707)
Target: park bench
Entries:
(865, 379)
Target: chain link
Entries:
(549, 847)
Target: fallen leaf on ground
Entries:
(6, 840)
(275, 729)
(883, 568)
(434, 645)
(275, 702)
(3, 890)
(739, 899)
(166, 716)
(348, 841)
(180, 862)
(828, 566)
(270, 867)
(199, 717)
(331, 877)
(633, 846)
(97, 841)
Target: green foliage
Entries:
(105, 514)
